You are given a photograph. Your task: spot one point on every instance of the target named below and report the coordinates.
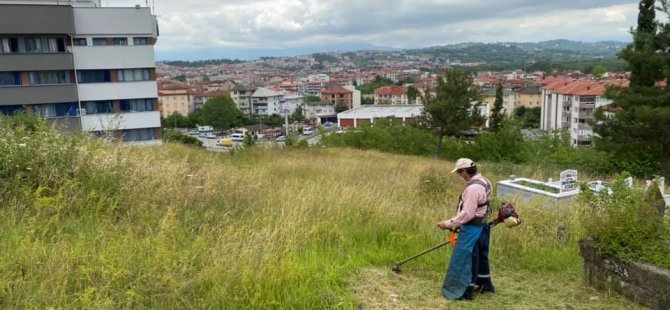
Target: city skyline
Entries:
(204, 29)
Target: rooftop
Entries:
(383, 110)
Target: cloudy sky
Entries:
(193, 29)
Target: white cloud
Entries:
(398, 23)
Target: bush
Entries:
(625, 224)
(392, 138)
(170, 135)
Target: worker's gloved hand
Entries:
(446, 225)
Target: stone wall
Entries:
(643, 283)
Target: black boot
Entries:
(467, 295)
(484, 285)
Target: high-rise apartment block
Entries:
(80, 65)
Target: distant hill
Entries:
(512, 52)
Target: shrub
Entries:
(170, 135)
(627, 225)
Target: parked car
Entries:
(226, 142)
(210, 135)
(307, 131)
(281, 139)
(237, 137)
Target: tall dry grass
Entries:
(95, 225)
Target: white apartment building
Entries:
(568, 104)
(79, 66)
(266, 102)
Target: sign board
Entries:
(569, 181)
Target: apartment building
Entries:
(266, 102)
(176, 99)
(568, 104)
(509, 100)
(338, 95)
(78, 66)
(242, 97)
(391, 95)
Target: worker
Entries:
(469, 265)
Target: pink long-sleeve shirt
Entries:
(473, 195)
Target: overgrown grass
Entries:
(104, 226)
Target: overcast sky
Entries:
(193, 27)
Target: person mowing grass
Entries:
(469, 265)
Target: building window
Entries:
(94, 76)
(56, 45)
(79, 41)
(33, 45)
(10, 79)
(98, 107)
(141, 41)
(11, 109)
(120, 41)
(49, 77)
(143, 134)
(52, 110)
(130, 75)
(99, 41)
(137, 105)
(9, 45)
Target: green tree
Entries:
(639, 126)
(220, 113)
(454, 108)
(341, 107)
(367, 100)
(274, 120)
(598, 71)
(496, 113)
(176, 119)
(310, 98)
(412, 94)
(180, 78)
(297, 114)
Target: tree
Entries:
(367, 100)
(639, 125)
(598, 71)
(297, 114)
(530, 117)
(341, 107)
(176, 119)
(310, 98)
(220, 113)
(412, 94)
(496, 112)
(180, 78)
(454, 108)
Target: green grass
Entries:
(102, 226)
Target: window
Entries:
(130, 75)
(137, 105)
(120, 41)
(99, 41)
(79, 41)
(9, 45)
(56, 45)
(49, 77)
(94, 76)
(98, 107)
(52, 110)
(10, 78)
(11, 109)
(143, 134)
(33, 45)
(141, 41)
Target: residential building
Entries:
(338, 95)
(509, 100)
(391, 95)
(242, 97)
(568, 104)
(176, 99)
(370, 114)
(292, 101)
(314, 87)
(78, 66)
(319, 112)
(266, 102)
(528, 97)
(355, 96)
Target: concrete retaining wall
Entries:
(643, 283)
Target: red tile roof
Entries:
(336, 90)
(391, 91)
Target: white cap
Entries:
(463, 163)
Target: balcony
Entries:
(19, 95)
(585, 115)
(114, 57)
(36, 62)
(118, 91)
